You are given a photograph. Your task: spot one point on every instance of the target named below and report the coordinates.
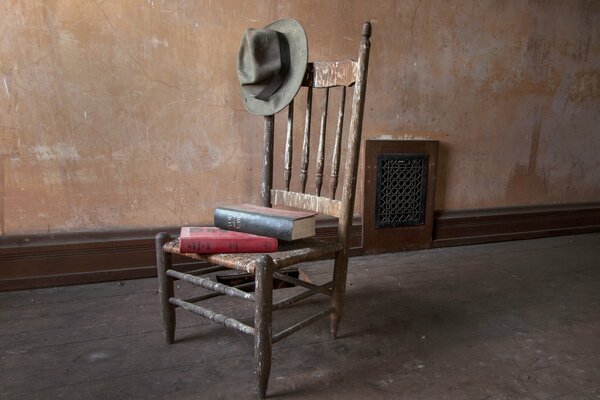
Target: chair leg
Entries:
(262, 322)
(339, 289)
(165, 286)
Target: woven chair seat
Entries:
(289, 253)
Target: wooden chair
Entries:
(322, 76)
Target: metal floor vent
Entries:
(400, 190)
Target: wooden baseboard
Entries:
(37, 261)
(84, 257)
(455, 228)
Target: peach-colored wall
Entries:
(119, 114)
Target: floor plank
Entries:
(501, 321)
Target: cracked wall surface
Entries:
(123, 114)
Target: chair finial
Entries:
(366, 30)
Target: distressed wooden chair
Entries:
(323, 76)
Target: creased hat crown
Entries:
(271, 65)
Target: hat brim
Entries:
(298, 44)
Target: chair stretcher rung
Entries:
(215, 294)
(296, 327)
(297, 282)
(207, 270)
(210, 285)
(307, 293)
(213, 316)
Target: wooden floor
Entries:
(514, 320)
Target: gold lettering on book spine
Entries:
(234, 223)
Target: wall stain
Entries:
(513, 84)
(582, 51)
(526, 182)
(586, 87)
(537, 51)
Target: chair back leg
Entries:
(339, 289)
(263, 322)
(165, 286)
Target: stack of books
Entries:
(247, 228)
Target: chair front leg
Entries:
(262, 322)
(165, 286)
(339, 289)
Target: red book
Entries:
(209, 240)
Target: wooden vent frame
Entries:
(412, 237)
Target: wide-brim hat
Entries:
(271, 65)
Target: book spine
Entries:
(249, 222)
(227, 245)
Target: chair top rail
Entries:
(325, 74)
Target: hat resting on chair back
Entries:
(271, 65)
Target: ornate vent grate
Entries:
(401, 190)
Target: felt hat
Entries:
(271, 65)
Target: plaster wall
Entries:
(121, 114)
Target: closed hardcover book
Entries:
(210, 240)
(282, 224)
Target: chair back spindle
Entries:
(321, 150)
(306, 141)
(266, 181)
(289, 147)
(335, 160)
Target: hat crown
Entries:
(260, 56)
(271, 65)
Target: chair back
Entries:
(323, 76)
